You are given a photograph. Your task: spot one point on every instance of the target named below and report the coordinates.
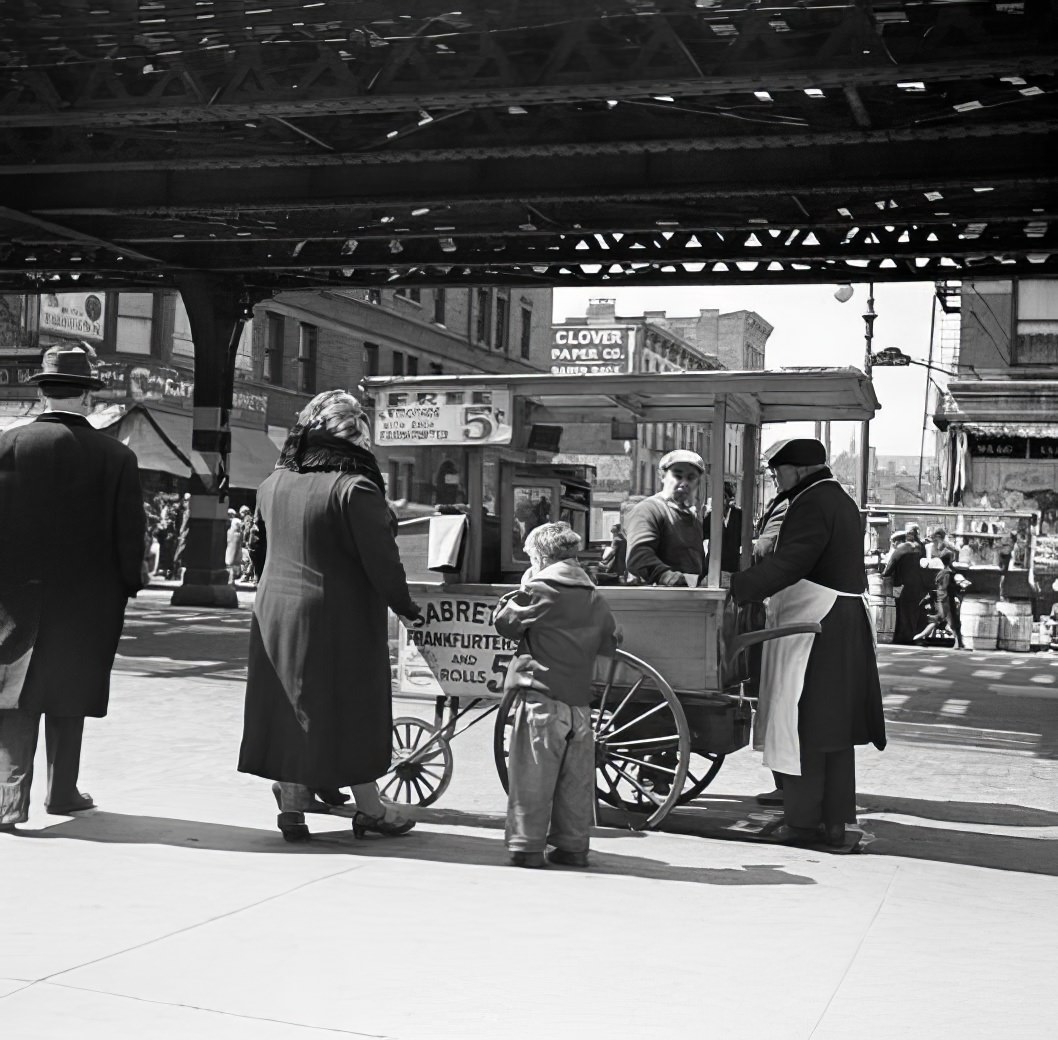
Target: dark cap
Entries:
(797, 451)
(68, 366)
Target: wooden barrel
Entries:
(882, 606)
(1015, 625)
(980, 622)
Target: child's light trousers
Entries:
(552, 776)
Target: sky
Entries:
(813, 328)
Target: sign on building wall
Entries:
(158, 383)
(80, 315)
(588, 350)
(473, 415)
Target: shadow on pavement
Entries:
(427, 846)
(985, 813)
(971, 849)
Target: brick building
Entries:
(626, 458)
(297, 344)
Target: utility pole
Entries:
(865, 427)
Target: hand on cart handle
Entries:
(416, 617)
(521, 674)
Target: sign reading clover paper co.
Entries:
(584, 350)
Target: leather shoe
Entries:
(780, 833)
(82, 802)
(834, 835)
(565, 858)
(534, 860)
(770, 797)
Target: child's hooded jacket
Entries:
(560, 618)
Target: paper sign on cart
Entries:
(469, 415)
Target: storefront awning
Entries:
(1011, 429)
(162, 443)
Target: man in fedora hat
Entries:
(903, 566)
(63, 585)
(819, 693)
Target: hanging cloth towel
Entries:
(446, 541)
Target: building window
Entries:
(439, 306)
(501, 342)
(374, 295)
(371, 359)
(436, 368)
(1036, 337)
(414, 295)
(397, 363)
(273, 366)
(135, 320)
(484, 309)
(527, 331)
(411, 367)
(307, 358)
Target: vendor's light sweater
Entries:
(560, 618)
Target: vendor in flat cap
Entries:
(64, 582)
(819, 694)
(664, 531)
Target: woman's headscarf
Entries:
(331, 433)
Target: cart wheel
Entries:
(421, 769)
(642, 741)
(701, 772)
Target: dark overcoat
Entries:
(71, 554)
(318, 694)
(821, 539)
(905, 570)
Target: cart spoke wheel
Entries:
(642, 740)
(421, 767)
(701, 771)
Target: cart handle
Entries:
(747, 639)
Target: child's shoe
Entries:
(533, 860)
(564, 858)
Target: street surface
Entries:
(176, 909)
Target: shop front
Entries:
(1000, 451)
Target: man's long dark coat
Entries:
(821, 539)
(71, 554)
(905, 570)
(318, 692)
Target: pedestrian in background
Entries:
(233, 547)
(319, 705)
(64, 582)
(562, 621)
(904, 566)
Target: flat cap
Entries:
(692, 458)
(797, 451)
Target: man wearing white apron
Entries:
(819, 694)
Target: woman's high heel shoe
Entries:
(364, 824)
(291, 824)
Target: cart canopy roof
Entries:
(783, 395)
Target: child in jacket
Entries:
(558, 617)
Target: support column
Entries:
(216, 311)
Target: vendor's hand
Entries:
(521, 674)
(672, 579)
(414, 616)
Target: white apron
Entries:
(783, 665)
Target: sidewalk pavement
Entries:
(176, 910)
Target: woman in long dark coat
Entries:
(318, 698)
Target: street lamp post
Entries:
(869, 318)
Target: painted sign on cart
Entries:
(456, 651)
(470, 415)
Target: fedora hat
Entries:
(68, 366)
